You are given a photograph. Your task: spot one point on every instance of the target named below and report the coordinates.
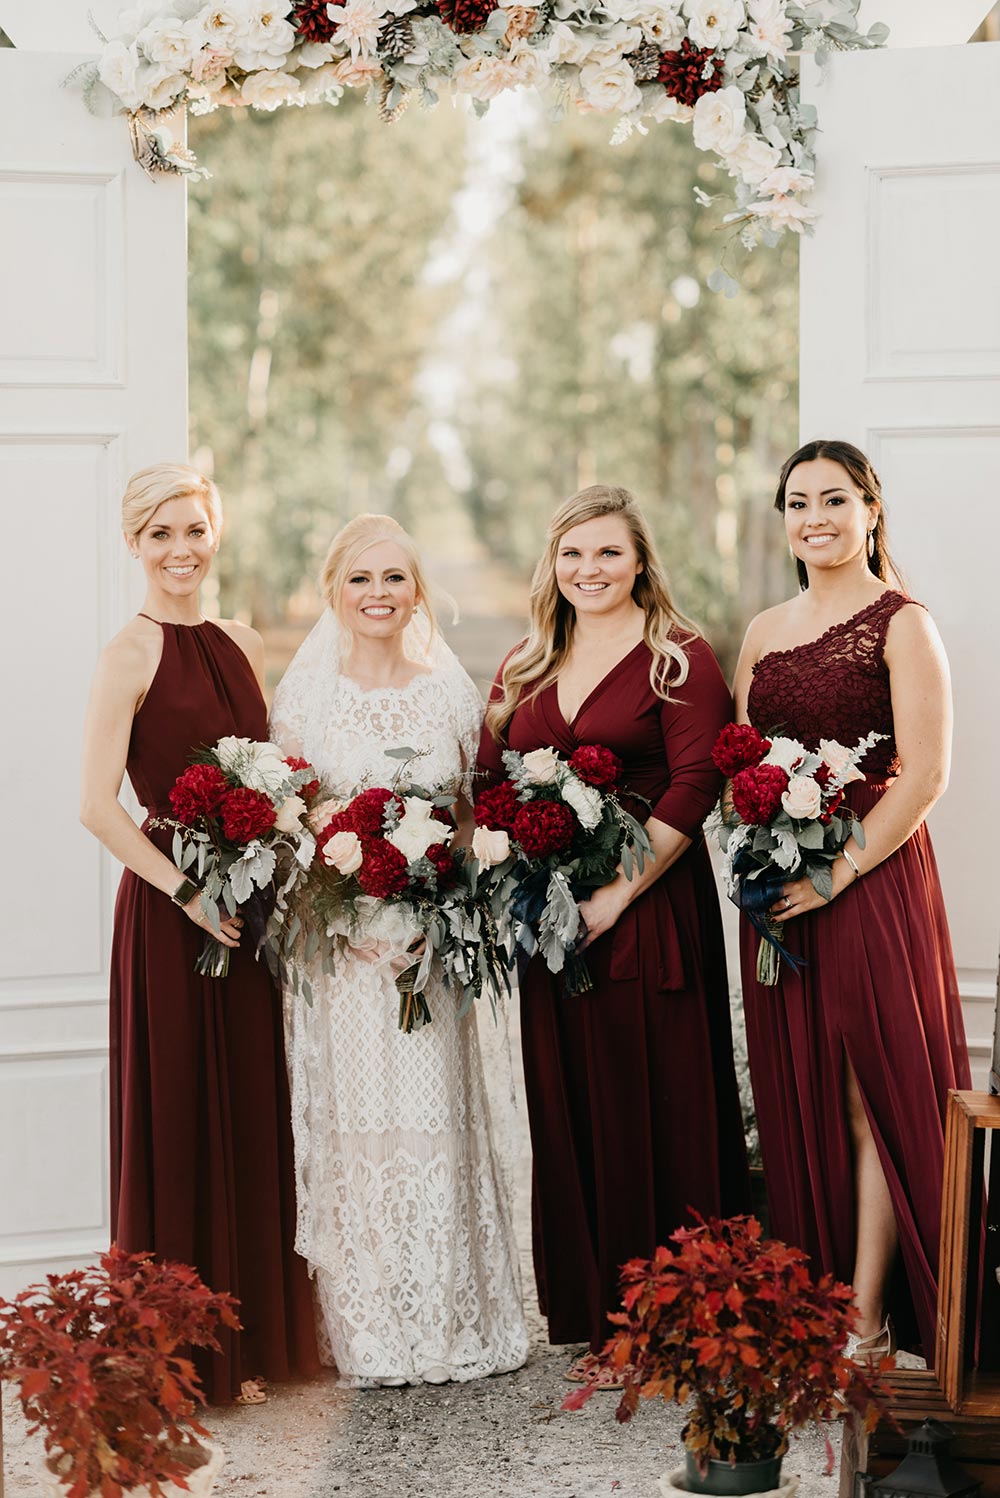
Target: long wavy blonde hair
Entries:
(537, 663)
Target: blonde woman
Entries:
(632, 1096)
(402, 1207)
(201, 1150)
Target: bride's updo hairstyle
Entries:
(552, 618)
(345, 550)
(152, 487)
(859, 469)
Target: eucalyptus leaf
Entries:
(822, 881)
(177, 848)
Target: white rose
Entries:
(752, 159)
(787, 179)
(169, 43)
(223, 25)
(659, 106)
(584, 800)
(803, 798)
(289, 814)
(605, 44)
(118, 70)
(231, 749)
(160, 88)
(542, 766)
(714, 23)
(784, 213)
(355, 72)
(343, 853)
(133, 19)
(313, 55)
(608, 86)
(720, 120)
(268, 89)
(484, 77)
(323, 811)
(788, 753)
(840, 761)
(418, 829)
(665, 28)
(322, 84)
(490, 846)
(268, 770)
(266, 38)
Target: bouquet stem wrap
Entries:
(755, 898)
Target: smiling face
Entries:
(827, 518)
(176, 546)
(597, 565)
(380, 592)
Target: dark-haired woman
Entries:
(852, 1058)
(631, 1089)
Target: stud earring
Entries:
(871, 542)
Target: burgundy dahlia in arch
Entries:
(311, 21)
(681, 73)
(465, 16)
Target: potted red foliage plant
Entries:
(99, 1358)
(732, 1326)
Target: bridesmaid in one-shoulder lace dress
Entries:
(852, 1059)
(201, 1147)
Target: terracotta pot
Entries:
(760, 1472)
(200, 1482)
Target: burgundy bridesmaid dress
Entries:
(201, 1146)
(632, 1097)
(879, 991)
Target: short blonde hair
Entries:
(152, 487)
(356, 537)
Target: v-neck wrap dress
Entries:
(632, 1096)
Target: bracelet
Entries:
(853, 865)
(185, 892)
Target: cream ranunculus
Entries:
(490, 846)
(720, 120)
(269, 88)
(542, 766)
(840, 761)
(752, 159)
(584, 800)
(803, 798)
(289, 814)
(418, 829)
(714, 23)
(343, 853)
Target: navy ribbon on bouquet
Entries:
(755, 898)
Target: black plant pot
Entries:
(732, 1479)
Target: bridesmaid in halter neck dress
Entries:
(201, 1149)
(852, 1059)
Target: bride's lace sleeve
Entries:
(288, 714)
(467, 720)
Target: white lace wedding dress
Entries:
(403, 1210)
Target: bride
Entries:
(403, 1212)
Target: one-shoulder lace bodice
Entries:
(834, 687)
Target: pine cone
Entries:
(310, 19)
(645, 62)
(396, 38)
(681, 73)
(387, 115)
(465, 16)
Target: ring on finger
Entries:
(788, 903)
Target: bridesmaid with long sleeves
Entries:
(201, 1146)
(632, 1098)
(852, 1058)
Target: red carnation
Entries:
(757, 793)
(443, 860)
(544, 827)
(198, 792)
(681, 73)
(246, 814)
(596, 766)
(738, 747)
(498, 807)
(465, 16)
(312, 22)
(383, 872)
(366, 812)
(311, 787)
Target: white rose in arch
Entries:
(803, 799)
(784, 213)
(170, 43)
(787, 179)
(289, 814)
(343, 853)
(161, 88)
(268, 89)
(490, 846)
(720, 120)
(118, 70)
(609, 86)
(714, 23)
(542, 766)
(752, 159)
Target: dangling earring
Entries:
(871, 542)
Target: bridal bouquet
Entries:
(239, 821)
(787, 820)
(387, 883)
(551, 832)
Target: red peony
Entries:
(443, 860)
(246, 814)
(366, 813)
(498, 807)
(757, 793)
(738, 747)
(312, 22)
(681, 73)
(544, 827)
(198, 792)
(383, 872)
(311, 787)
(596, 766)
